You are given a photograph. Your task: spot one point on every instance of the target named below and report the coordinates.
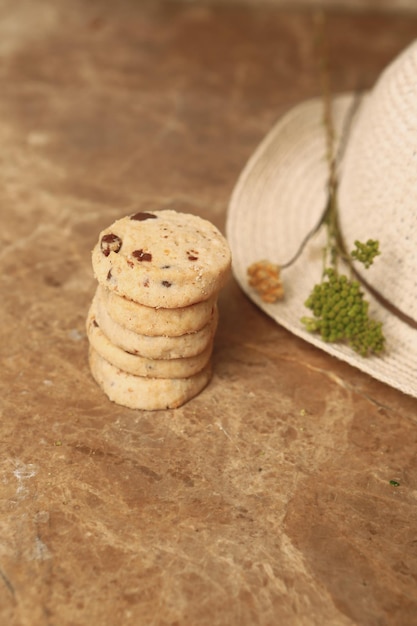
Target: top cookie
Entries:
(162, 258)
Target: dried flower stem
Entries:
(340, 311)
(334, 248)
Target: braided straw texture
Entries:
(378, 190)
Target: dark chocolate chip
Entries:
(140, 255)
(95, 324)
(192, 255)
(142, 216)
(109, 275)
(110, 243)
(166, 283)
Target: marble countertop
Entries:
(268, 499)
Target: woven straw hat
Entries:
(282, 193)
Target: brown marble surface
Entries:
(267, 499)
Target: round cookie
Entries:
(141, 366)
(157, 321)
(148, 394)
(162, 258)
(162, 347)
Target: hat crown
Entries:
(378, 182)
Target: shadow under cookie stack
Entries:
(153, 318)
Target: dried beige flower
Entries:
(264, 277)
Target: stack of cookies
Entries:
(153, 318)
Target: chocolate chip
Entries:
(142, 216)
(140, 255)
(95, 324)
(109, 275)
(192, 255)
(110, 243)
(166, 283)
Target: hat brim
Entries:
(278, 200)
